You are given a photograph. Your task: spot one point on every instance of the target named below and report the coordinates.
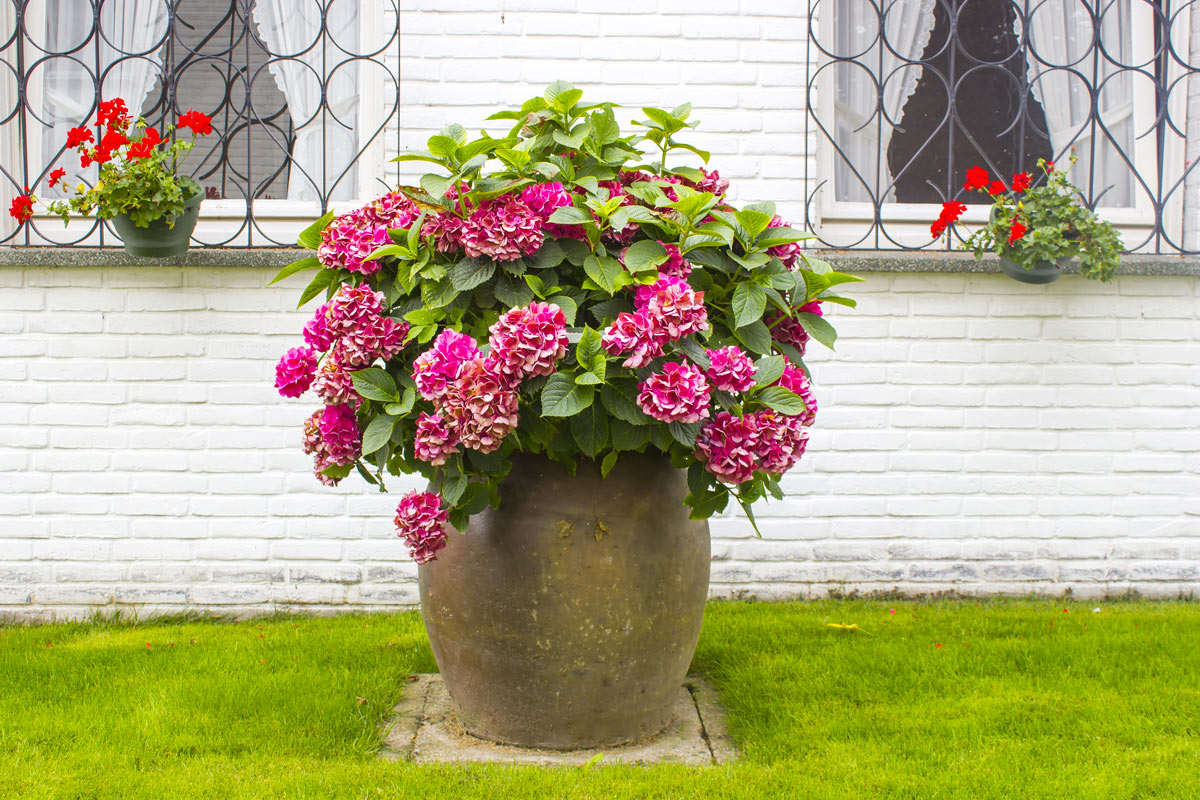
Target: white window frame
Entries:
(841, 223)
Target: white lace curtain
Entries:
(306, 64)
(1060, 34)
(862, 135)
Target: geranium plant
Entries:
(557, 291)
(1031, 224)
(139, 169)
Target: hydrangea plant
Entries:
(558, 291)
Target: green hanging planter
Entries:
(160, 240)
(1041, 272)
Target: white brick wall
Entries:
(975, 434)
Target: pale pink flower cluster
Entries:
(332, 437)
(295, 371)
(732, 448)
(335, 386)
(795, 380)
(787, 253)
(434, 441)
(350, 238)
(421, 521)
(360, 333)
(503, 228)
(528, 341)
(479, 406)
(731, 369)
(676, 393)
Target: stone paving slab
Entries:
(423, 730)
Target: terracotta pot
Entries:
(160, 240)
(568, 617)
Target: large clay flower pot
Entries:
(160, 240)
(568, 617)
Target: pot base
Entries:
(567, 617)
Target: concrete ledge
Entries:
(423, 730)
(844, 260)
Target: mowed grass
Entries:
(1022, 699)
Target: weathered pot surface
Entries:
(568, 617)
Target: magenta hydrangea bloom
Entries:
(677, 393)
(316, 330)
(435, 369)
(732, 370)
(335, 386)
(377, 337)
(528, 341)
(712, 182)
(634, 333)
(340, 437)
(349, 239)
(545, 198)
(434, 441)
(728, 447)
(295, 371)
(782, 440)
(673, 307)
(813, 307)
(794, 379)
(789, 254)
(676, 264)
(480, 406)
(351, 307)
(314, 447)
(788, 330)
(446, 230)
(421, 522)
(393, 210)
(503, 228)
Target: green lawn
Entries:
(1020, 700)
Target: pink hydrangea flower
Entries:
(789, 254)
(634, 333)
(340, 437)
(351, 306)
(377, 337)
(421, 522)
(813, 307)
(315, 447)
(394, 210)
(434, 441)
(675, 265)
(316, 330)
(712, 182)
(677, 393)
(502, 228)
(349, 239)
(781, 441)
(795, 380)
(435, 369)
(446, 230)
(630, 178)
(728, 447)
(732, 370)
(673, 307)
(295, 371)
(788, 330)
(545, 198)
(528, 341)
(335, 386)
(480, 406)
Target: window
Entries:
(302, 94)
(906, 95)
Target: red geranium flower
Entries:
(977, 178)
(1021, 181)
(201, 124)
(78, 136)
(1018, 230)
(112, 113)
(143, 147)
(950, 213)
(56, 176)
(1049, 167)
(22, 208)
(111, 142)
(996, 187)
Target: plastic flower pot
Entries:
(159, 239)
(1040, 272)
(567, 617)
